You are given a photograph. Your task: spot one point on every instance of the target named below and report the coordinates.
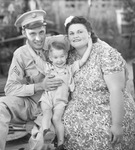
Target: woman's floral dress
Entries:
(87, 118)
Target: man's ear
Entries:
(23, 32)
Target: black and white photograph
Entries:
(67, 74)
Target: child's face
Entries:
(58, 57)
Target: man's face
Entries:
(36, 37)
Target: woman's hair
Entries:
(86, 23)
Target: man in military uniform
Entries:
(25, 83)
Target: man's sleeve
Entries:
(16, 83)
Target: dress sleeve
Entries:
(111, 61)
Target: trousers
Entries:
(15, 110)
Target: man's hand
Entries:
(50, 83)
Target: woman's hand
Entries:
(116, 133)
(116, 83)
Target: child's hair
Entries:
(57, 46)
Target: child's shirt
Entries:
(66, 73)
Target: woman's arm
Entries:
(116, 84)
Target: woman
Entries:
(101, 113)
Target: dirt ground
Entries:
(19, 144)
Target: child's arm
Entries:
(86, 54)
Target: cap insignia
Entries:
(34, 15)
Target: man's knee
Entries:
(4, 113)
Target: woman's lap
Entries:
(85, 133)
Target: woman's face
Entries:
(78, 35)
